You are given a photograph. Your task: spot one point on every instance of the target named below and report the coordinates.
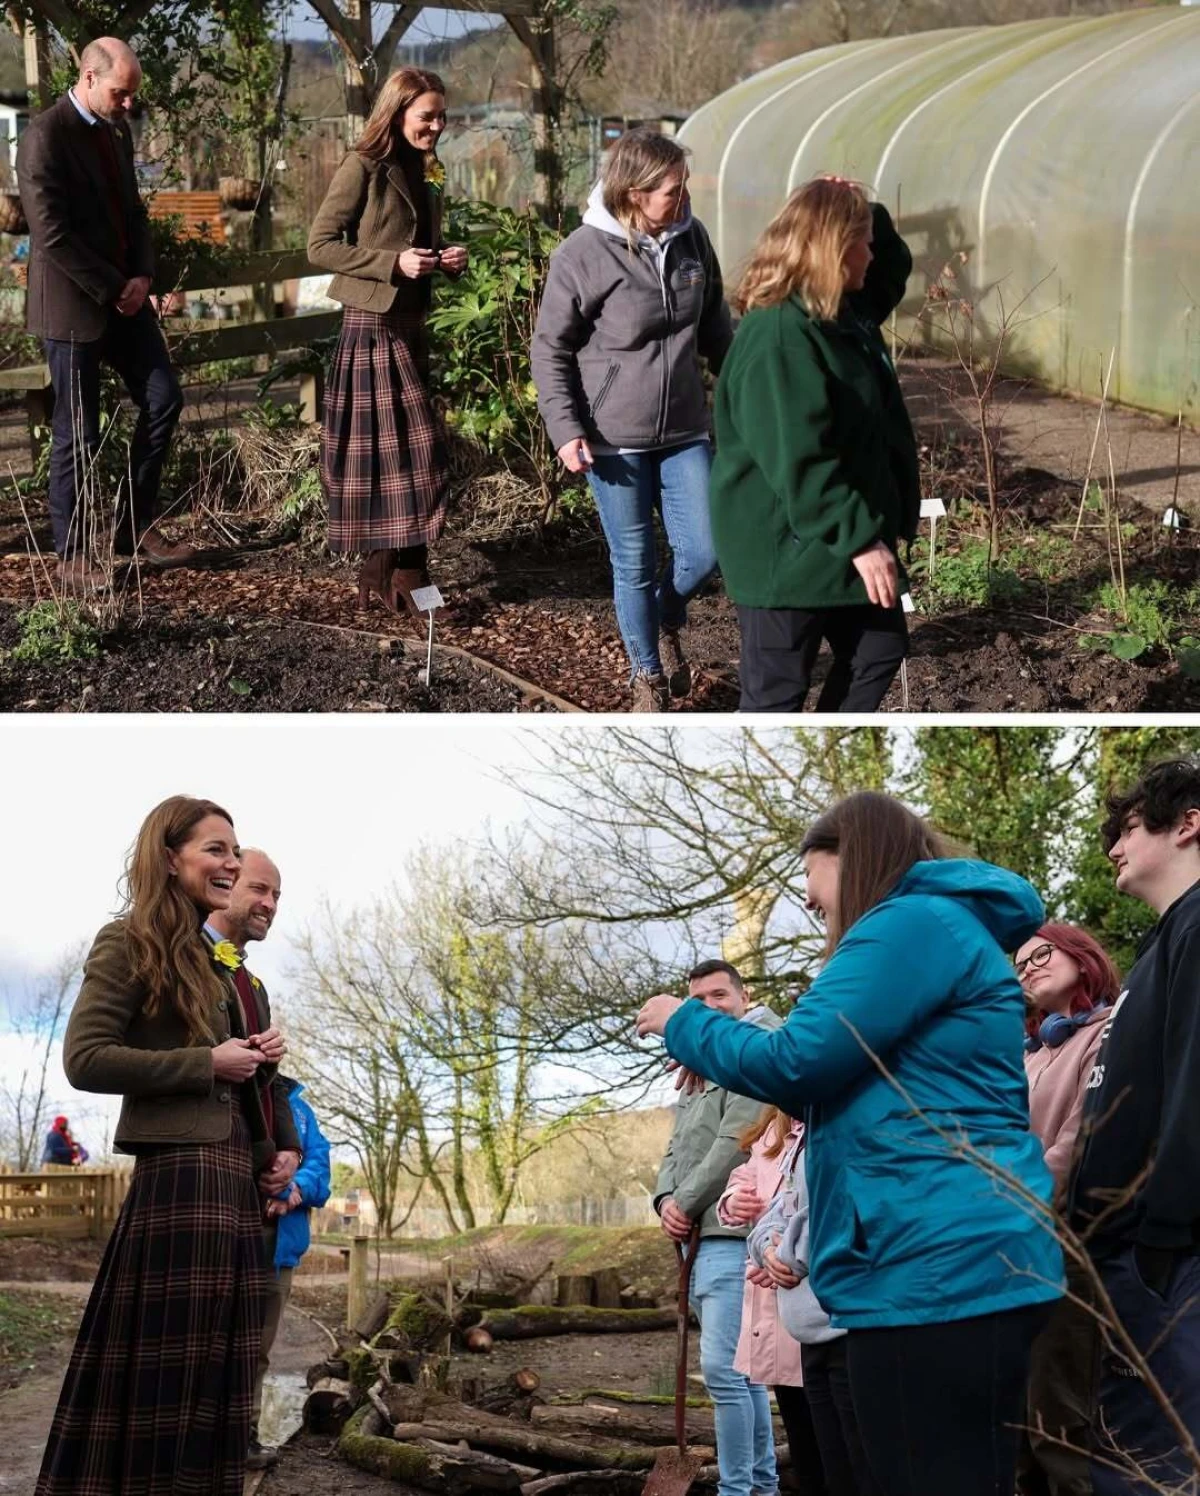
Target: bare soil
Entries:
(267, 627)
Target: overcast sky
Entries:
(338, 802)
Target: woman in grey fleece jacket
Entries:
(633, 299)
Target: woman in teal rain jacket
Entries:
(940, 1270)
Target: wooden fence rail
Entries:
(67, 1202)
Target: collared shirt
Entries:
(216, 937)
(84, 112)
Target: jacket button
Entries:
(224, 1096)
(222, 1005)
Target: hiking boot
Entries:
(651, 693)
(79, 576)
(156, 550)
(261, 1456)
(679, 672)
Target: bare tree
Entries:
(38, 1016)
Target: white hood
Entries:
(597, 216)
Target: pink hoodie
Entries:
(1057, 1084)
(766, 1352)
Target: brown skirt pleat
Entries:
(383, 452)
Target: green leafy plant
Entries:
(481, 328)
(54, 632)
(1152, 615)
(966, 576)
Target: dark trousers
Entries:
(1064, 1376)
(808, 1472)
(939, 1406)
(835, 1424)
(134, 347)
(1166, 1329)
(780, 647)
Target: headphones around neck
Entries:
(1056, 1028)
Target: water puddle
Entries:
(282, 1406)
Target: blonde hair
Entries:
(803, 249)
(162, 925)
(382, 130)
(637, 162)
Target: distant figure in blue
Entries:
(941, 1276)
(308, 1190)
(61, 1147)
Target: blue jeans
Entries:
(745, 1442)
(628, 491)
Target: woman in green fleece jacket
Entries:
(815, 479)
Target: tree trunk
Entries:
(575, 1288)
(608, 1289)
(515, 1439)
(532, 1320)
(619, 1423)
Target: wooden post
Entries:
(356, 1302)
(37, 66)
(358, 92)
(448, 1265)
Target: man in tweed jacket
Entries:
(91, 264)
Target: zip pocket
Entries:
(602, 393)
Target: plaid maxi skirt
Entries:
(156, 1400)
(383, 452)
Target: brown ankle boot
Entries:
(376, 575)
(406, 581)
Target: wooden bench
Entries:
(200, 214)
(205, 345)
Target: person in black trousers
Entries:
(1135, 1191)
(91, 265)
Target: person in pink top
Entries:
(766, 1353)
(1070, 985)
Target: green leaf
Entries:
(1188, 657)
(1127, 646)
(240, 687)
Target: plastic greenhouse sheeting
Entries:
(1060, 155)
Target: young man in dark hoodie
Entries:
(1135, 1193)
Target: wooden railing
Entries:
(62, 1202)
(191, 345)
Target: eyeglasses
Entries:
(1036, 957)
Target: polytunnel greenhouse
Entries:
(1059, 154)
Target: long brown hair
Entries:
(803, 249)
(770, 1117)
(162, 925)
(876, 840)
(382, 130)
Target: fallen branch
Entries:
(532, 1320)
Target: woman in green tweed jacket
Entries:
(815, 480)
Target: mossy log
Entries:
(621, 1423)
(455, 1472)
(511, 1438)
(532, 1320)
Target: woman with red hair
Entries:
(1070, 986)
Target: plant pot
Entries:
(12, 214)
(240, 193)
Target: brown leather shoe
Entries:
(651, 693)
(156, 550)
(78, 575)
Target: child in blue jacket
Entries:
(931, 1235)
(308, 1190)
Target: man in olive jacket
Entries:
(91, 264)
(704, 1149)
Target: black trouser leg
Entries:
(868, 645)
(807, 1470)
(412, 557)
(939, 1405)
(75, 377)
(835, 1425)
(138, 352)
(779, 647)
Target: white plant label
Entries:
(425, 599)
(1173, 519)
(906, 603)
(932, 508)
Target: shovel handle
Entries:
(687, 1261)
